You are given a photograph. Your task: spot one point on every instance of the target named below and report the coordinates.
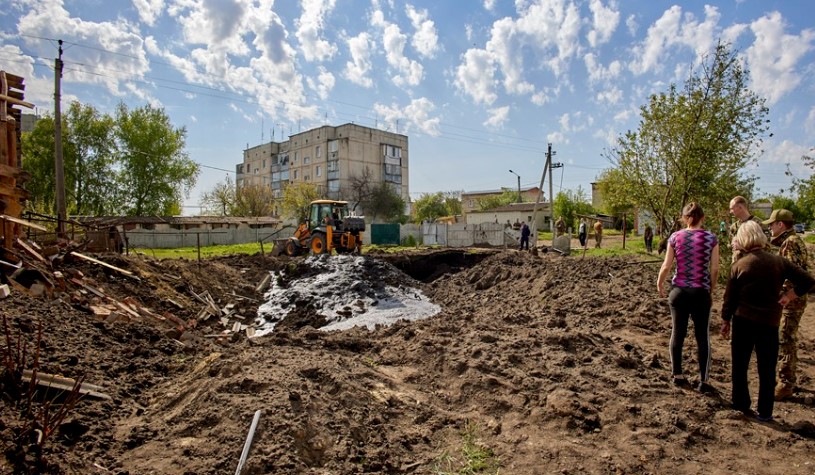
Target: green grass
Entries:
(473, 457)
(206, 251)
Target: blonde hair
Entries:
(750, 235)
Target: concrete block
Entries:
(5, 291)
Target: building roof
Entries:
(119, 220)
(499, 191)
(515, 207)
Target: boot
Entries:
(783, 391)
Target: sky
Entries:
(480, 87)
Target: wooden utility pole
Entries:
(58, 163)
(549, 154)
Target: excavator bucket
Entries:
(279, 247)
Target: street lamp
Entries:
(519, 185)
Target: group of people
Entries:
(764, 299)
(583, 236)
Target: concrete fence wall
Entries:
(193, 237)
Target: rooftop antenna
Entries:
(261, 130)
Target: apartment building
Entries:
(328, 157)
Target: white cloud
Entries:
(604, 22)
(425, 40)
(498, 117)
(673, 29)
(408, 72)
(489, 5)
(309, 27)
(774, 55)
(632, 25)
(809, 124)
(126, 56)
(612, 95)
(324, 83)
(149, 10)
(359, 67)
(475, 76)
(415, 116)
(557, 137)
(597, 72)
(504, 46)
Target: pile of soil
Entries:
(534, 364)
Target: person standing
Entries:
(739, 209)
(582, 232)
(792, 248)
(696, 252)
(648, 236)
(524, 236)
(751, 306)
(598, 234)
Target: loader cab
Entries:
(324, 212)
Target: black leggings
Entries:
(690, 303)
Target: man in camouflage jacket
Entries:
(790, 247)
(739, 209)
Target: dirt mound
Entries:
(534, 364)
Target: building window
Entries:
(470, 204)
(333, 185)
(317, 151)
(294, 176)
(296, 156)
(333, 145)
(306, 178)
(264, 163)
(306, 160)
(318, 171)
(391, 151)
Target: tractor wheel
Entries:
(318, 244)
(291, 249)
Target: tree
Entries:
(805, 187)
(692, 144)
(452, 200)
(220, 200)
(385, 204)
(253, 200)
(38, 160)
(91, 166)
(495, 201)
(430, 206)
(297, 198)
(155, 173)
(359, 193)
(571, 203)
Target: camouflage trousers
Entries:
(788, 340)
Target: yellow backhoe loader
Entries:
(329, 227)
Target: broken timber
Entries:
(105, 264)
(65, 384)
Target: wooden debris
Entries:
(65, 384)
(30, 250)
(105, 264)
(263, 284)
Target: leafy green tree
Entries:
(495, 201)
(297, 198)
(38, 161)
(805, 188)
(91, 159)
(571, 203)
(430, 206)
(452, 200)
(692, 143)
(385, 204)
(155, 173)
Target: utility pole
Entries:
(519, 185)
(58, 163)
(549, 154)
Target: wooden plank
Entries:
(16, 102)
(17, 193)
(105, 264)
(15, 81)
(31, 251)
(23, 222)
(9, 171)
(65, 384)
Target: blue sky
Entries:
(480, 87)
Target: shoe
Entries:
(705, 388)
(783, 391)
(681, 382)
(761, 418)
(743, 409)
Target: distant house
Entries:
(469, 199)
(515, 212)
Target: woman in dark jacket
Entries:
(753, 302)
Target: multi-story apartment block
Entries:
(329, 157)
